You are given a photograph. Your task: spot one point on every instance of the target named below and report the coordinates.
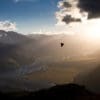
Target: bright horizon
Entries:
(48, 17)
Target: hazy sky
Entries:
(50, 16)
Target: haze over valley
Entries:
(31, 62)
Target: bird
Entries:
(62, 44)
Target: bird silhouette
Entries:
(62, 44)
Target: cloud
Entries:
(64, 4)
(71, 11)
(68, 12)
(7, 26)
(68, 18)
(92, 7)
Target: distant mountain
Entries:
(11, 37)
(59, 92)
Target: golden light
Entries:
(92, 30)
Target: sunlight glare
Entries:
(93, 29)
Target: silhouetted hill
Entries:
(59, 92)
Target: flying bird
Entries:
(62, 44)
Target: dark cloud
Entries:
(67, 4)
(68, 19)
(92, 7)
(66, 12)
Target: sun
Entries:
(93, 29)
(93, 33)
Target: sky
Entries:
(50, 16)
(29, 15)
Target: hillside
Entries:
(59, 92)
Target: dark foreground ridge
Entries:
(59, 92)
